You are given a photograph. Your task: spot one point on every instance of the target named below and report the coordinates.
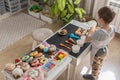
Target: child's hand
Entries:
(92, 29)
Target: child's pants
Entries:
(98, 61)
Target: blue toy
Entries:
(46, 49)
(74, 36)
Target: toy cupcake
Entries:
(17, 72)
(10, 66)
(52, 48)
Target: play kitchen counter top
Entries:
(56, 39)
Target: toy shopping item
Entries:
(74, 36)
(78, 32)
(68, 42)
(48, 66)
(60, 55)
(63, 45)
(26, 57)
(71, 40)
(25, 66)
(63, 32)
(34, 73)
(10, 66)
(17, 72)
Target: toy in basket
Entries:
(49, 66)
(61, 54)
(34, 73)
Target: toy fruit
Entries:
(60, 56)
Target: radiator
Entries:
(115, 5)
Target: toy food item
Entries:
(74, 36)
(33, 54)
(63, 32)
(43, 60)
(27, 78)
(52, 48)
(25, 66)
(31, 58)
(78, 32)
(17, 72)
(61, 44)
(48, 66)
(34, 73)
(71, 40)
(26, 57)
(41, 46)
(60, 55)
(10, 66)
(84, 32)
(18, 61)
(39, 55)
(46, 49)
(35, 63)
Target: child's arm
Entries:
(90, 32)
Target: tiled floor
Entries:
(110, 70)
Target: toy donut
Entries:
(35, 63)
(26, 57)
(25, 66)
(17, 72)
(33, 54)
(10, 66)
(41, 46)
(31, 58)
(43, 60)
(38, 55)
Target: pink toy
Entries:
(27, 78)
(34, 73)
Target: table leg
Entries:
(68, 72)
(74, 72)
